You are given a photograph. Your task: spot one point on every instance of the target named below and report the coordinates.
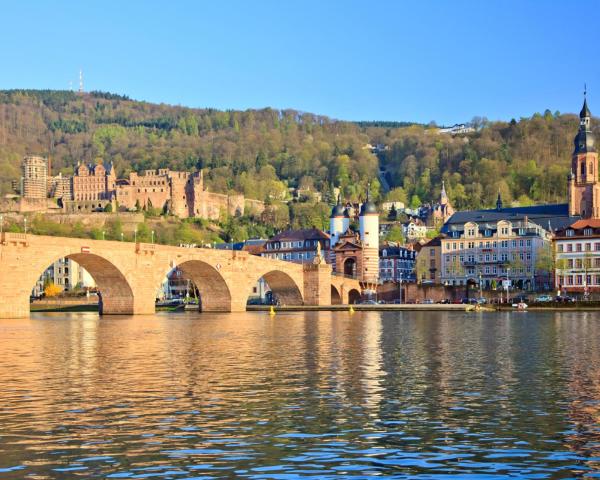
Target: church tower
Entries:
(584, 188)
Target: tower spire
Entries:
(499, 201)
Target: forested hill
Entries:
(262, 152)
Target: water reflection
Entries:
(301, 394)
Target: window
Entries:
(588, 247)
(432, 252)
(578, 247)
(560, 247)
(587, 231)
(569, 247)
(570, 233)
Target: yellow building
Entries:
(428, 267)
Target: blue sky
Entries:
(373, 60)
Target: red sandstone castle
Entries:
(180, 193)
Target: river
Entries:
(322, 394)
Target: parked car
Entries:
(564, 299)
(427, 301)
(468, 301)
(369, 302)
(543, 299)
(519, 299)
(445, 301)
(482, 300)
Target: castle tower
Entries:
(336, 222)
(35, 177)
(584, 188)
(368, 221)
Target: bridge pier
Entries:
(317, 284)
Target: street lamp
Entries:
(507, 282)
(122, 236)
(25, 222)
(1, 224)
(152, 236)
(480, 293)
(135, 235)
(103, 234)
(400, 287)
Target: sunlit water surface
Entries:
(181, 396)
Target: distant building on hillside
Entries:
(459, 128)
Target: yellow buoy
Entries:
(272, 311)
(351, 309)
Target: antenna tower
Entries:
(80, 80)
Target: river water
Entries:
(322, 394)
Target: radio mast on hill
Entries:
(80, 80)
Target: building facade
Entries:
(299, 246)
(396, 263)
(65, 273)
(487, 253)
(428, 265)
(577, 253)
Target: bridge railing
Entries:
(344, 275)
(14, 238)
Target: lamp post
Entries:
(135, 235)
(103, 234)
(480, 293)
(400, 287)
(507, 282)
(25, 222)
(122, 236)
(152, 236)
(1, 224)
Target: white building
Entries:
(577, 250)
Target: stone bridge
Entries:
(129, 275)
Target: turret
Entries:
(336, 222)
(369, 234)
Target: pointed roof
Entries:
(338, 209)
(584, 140)
(368, 207)
(585, 111)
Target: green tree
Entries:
(395, 235)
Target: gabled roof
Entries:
(304, 234)
(347, 246)
(555, 215)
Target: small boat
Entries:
(520, 306)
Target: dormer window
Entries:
(587, 231)
(570, 232)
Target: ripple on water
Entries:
(328, 395)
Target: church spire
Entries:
(499, 201)
(443, 194)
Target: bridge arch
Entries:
(283, 287)
(353, 296)
(215, 295)
(336, 298)
(115, 292)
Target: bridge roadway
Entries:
(129, 275)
